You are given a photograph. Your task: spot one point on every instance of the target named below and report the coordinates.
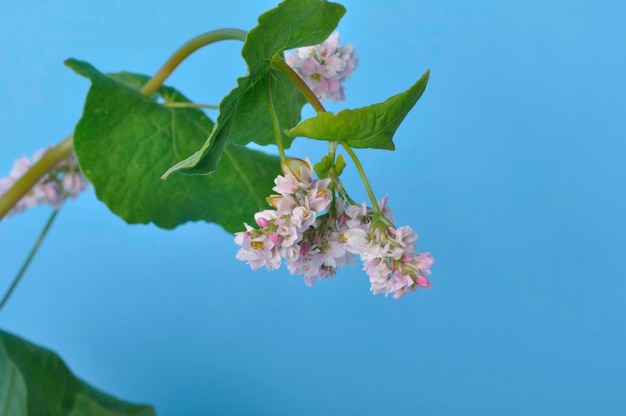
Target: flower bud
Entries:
(299, 168)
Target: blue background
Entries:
(511, 168)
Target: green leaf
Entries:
(134, 81)
(322, 168)
(124, 141)
(368, 127)
(244, 116)
(340, 165)
(12, 387)
(293, 23)
(35, 381)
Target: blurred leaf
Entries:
(367, 127)
(124, 141)
(244, 116)
(35, 381)
(12, 387)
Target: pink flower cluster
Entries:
(315, 244)
(388, 253)
(324, 67)
(65, 180)
(292, 231)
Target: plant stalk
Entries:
(275, 123)
(332, 146)
(187, 49)
(24, 184)
(30, 257)
(366, 183)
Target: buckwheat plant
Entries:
(134, 131)
(315, 227)
(315, 231)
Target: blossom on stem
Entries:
(316, 234)
(64, 180)
(321, 250)
(387, 253)
(281, 230)
(325, 67)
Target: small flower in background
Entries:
(73, 181)
(315, 243)
(325, 67)
(65, 180)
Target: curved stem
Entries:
(299, 83)
(30, 257)
(275, 123)
(317, 105)
(34, 174)
(342, 191)
(187, 49)
(65, 147)
(308, 94)
(366, 183)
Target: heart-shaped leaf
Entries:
(124, 141)
(368, 127)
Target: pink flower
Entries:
(316, 244)
(73, 183)
(65, 180)
(324, 67)
(387, 253)
(321, 254)
(257, 249)
(300, 169)
(355, 239)
(386, 209)
(424, 262)
(263, 218)
(301, 199)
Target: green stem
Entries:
(342, 191)
(65, 147)
(308, 94)
(187, 49)
(34, 174)
(299, 83)
(30, 257)
(317, 105)
(275, 123)
(366, 183)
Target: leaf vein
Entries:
(244, 178)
